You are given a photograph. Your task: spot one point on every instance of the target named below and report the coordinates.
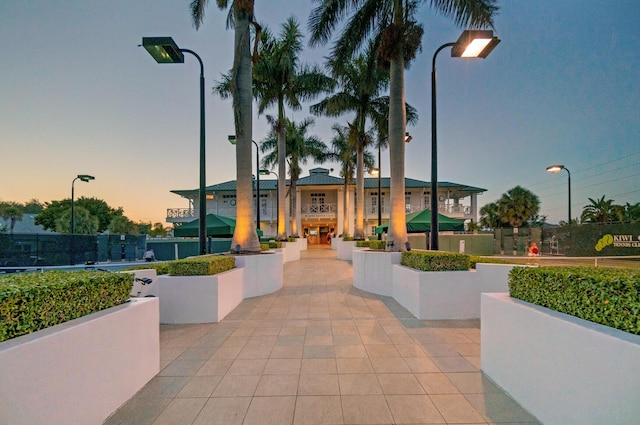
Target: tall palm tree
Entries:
(299, 148)
(490, 216)
(241, 15)
(516, 207)
(280, 79)
(343, 152)
(392, 26)
(599, 211)
(11, 211)
(361, 83)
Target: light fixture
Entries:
(557, 169)
(84, 178)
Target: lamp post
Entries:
(85, 178)
(471, 44)
(267, 172)
(232, 140)
(165, 50)
(557, 169)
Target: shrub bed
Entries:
(372, 244)
(202, 265)
(610, 297)
(160, 268)
(474, 259)
(433, 261)
(33, 301)
(266, 246)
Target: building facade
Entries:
(321, 206)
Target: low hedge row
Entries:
(266, 246)
(434, 261)
(33, 301)
(610, 297)
(160, 268)
(372, 244)
(202, 265)
(474, 259)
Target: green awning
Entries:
(217, 226)
(420, 222)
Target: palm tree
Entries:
(490, 216)
(343, 152)
(241, 14)
(599, 211)
(300, 147)
(361, 82)
(280, 79)
(397, 35)
(518, 206)
(11, 211)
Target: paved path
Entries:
(320, 351)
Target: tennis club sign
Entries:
(618, 241)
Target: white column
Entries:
(340, 210)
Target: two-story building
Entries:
(320, 203)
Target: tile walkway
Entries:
(320, 351)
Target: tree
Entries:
(599, 211)
(85, 222)
(490, 216)
(32, 206)
(241, 14)
(96, 207)
(516, 207)
(397, 35)
(300, 147)
(121, 225)
(280, 79)
(11, 211)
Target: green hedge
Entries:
(203, 265)
(610, 297)
(266, 246)
(33, 301)
(160, 268)
(476, 259)
(435, 261)
(372, 244)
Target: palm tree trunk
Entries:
(359, 231)
(294, 212)
(397, 236)
(282, 173)
(345, 209)
(245, 234)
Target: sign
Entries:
(618, 241)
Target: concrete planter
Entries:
(263, 274)
(141, 285)
(199, 299)
(373, 271)
(301, 243)
(80, 371)
(290, 251)
(344, 249)
(562, 369)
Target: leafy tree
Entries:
(516, 207)
(85, 222)
(11, 211)
(96, 207)
(121, 225)
(599, 211)
(32, 206)
(392, 26)
(300, 147)
(157, 230)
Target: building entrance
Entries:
(317, 234)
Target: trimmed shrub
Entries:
(203, 265)
(33, 301)
(372, 244)
(347, 238)
(487, 260)
(362, 244)
(435, 261)
(266, 246)
(610, 297)
(160, 268)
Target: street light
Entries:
(557, 169)
(471, 44)
(85, 178)
(232, 140)
(165, 50)
(265, 173)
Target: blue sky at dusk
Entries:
(78, 96)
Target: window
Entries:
(407, 202)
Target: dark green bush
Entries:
(372, 244)
(362, 244)
(435, 261)
(160, 268)
(203, 265)
(347, 238)
(476, 259)
(610, 297)
(33, 301)
(266, 246)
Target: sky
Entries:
(78, 96)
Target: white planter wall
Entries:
(344, 249)
(562, 369)
(199, 299)
(142, 290)
(81, 371)
(373, 272)
(290, 251)
(263, 274)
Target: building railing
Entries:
(319, 208)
